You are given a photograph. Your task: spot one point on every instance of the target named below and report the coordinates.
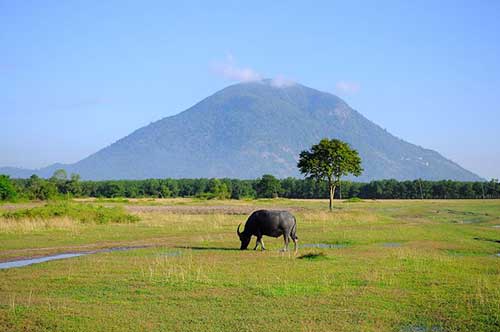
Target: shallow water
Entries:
(25, 262)
(323, 245)
(392, 244)
(469, 221)
(31, 261)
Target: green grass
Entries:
(444, 276)
(112, 200)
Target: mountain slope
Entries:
(250, 129)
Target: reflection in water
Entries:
(324, 245)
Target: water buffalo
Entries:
(270, 223)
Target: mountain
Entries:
(250, 129)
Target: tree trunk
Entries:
(332, 192)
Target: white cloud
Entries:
(230, 70)
(347, 87)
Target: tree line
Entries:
(60, 185)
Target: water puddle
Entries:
(25, 262)
(469, 221)
(31, 261)
(392, 244)
(466, 213)
(324, 245)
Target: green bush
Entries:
(353, 200)
(85, 213)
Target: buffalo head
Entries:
(244, 238)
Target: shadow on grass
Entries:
(207, 248)
(485, 239)
(313, 256)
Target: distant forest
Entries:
(265, 187)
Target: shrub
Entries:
(353, 200)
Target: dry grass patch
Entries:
(29, 225)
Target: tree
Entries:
(242, 189)
(41, 189)
(59, 175)
(164, 190)
(218, 189)
(268, 187)
(111, 189)
(73, 185)
(7, 190)
(328, 161)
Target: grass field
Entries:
(409, 266)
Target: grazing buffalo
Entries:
(270, 223)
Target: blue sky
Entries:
(75, 76)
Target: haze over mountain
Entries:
(250, 129)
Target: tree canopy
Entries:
(329, 160)
(268, 187)
(39, 188)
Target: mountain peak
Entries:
(253, 128)
(275, 83)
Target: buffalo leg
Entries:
(286, 237)
(295, 247)
(256, 243)
(262, 245)
(259, 240)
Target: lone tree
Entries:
(329, 160)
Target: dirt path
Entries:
(215, 209)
